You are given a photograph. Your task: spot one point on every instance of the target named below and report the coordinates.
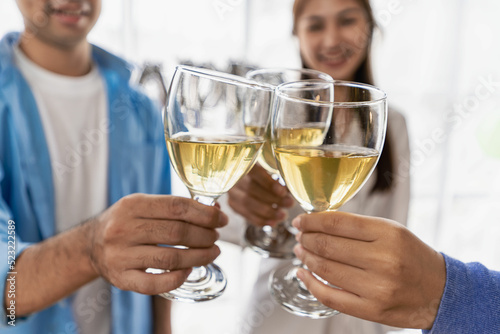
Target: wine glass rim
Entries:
(279, 92)
(286, 69)
(224, 77)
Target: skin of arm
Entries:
(162, 315)
(384, 272)
(119, 245)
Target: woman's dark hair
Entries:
(385, 166)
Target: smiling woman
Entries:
(335, 38)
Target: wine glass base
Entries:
(288, 291)
(280, 246)
(207, 284)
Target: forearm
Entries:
(161, 315)
(52, 270)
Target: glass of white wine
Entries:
(324, 175)
(278, 241)
(210, 148)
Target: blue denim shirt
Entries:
(138, 162)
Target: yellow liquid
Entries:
(324, 178)
(310, 135)
(266, 157)
(210, 166)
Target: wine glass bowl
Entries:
(205, 122)
(327, 138)
(277, 241)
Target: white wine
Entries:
(266, 157)
(210, 166)
(311, 134)
(323, 178)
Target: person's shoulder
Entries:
(396, 118)
(397, 132)
(395, 114)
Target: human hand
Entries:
(259, 198)
(123, 241)
(384, 272)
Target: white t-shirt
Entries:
(74, 115)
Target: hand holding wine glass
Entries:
(211, 149)
(260, 198)
(387, 274)
(350, 119)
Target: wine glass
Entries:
(324, 175)
(210, 149)
(276, 241)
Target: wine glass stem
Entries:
(200, 273)
(273, 232)
(207, 200)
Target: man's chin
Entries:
(62, 41)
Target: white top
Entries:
(391, 204)
(74, 115)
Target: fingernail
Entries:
(223, 220)
(298, 250)
(297, 222)
(217, 251)
(300, 274)
(298, 236)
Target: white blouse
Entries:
(391, 204)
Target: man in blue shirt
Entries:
(83, 173)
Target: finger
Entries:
(153, 284)
(341, 224)
(344, 250)
(266, 181)
(337, 299)
(266, 194)
(174, 208)
(338, 274)
(273, 186)
(256, 212)
(259, 184)
(168, 258)
(171, 232)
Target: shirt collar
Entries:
(106, 61)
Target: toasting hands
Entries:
(124, 241)
(259, 198)
(384, 272)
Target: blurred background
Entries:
(438, 60)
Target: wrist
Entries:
(88, 229)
